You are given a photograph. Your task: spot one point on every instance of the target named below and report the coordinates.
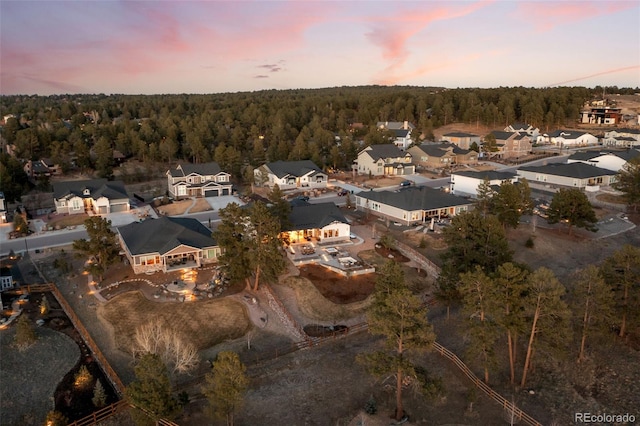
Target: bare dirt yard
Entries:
(177, 208)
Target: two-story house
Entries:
(523, 128)
(441, 155)
(461, 139)
(401, 130)
(198, 180)
(511, 144)
(290, 175)
(99, 196)
(384, 160)
(622, 138)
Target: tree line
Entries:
(246, 129)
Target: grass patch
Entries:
(315, 306)
(203, 323)
(201, 206)
(611, 198)
(68, 220)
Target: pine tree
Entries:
(399, 316)
(548, 313)
(44, 305)
(102, 246)
(83, 378)
(484, 196)
(477, 289)
(628, 181)
(509, 299)
(573, 207)
(508, 205)
(99, 399)
(593, 302)
(25, 333)
(621, 271)
(226, 385)
(150, 392)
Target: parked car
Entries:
(406, 183)
(342, 192)
(303, 197)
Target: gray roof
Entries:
(520, 126)
(502, 136)
(203, 169)
(312, 216)
(387, 150)
(573, 170)
(461, 135)
(112, 190)
(627, 130)
(391, 125)
(164, 234)
(627, 155)
(488, 174)
(568, 134)
(440, 149)
(415, 198)
(401, 133)
(293, 168)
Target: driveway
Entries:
(218, 203)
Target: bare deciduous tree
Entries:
(180, 356)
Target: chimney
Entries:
(405, 125)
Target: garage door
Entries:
(117, 208)
(225, 191)
(102, 210)
(211, 193)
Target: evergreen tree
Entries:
(509, 299)
(628, 181)
(99, 399)
(267, 259)
(477, 290)
(621, 272)
(507, 205)
(44, 306)
(573, 207)
(25, 333)
(399, 316)
(484, 197)
(593, 303)
(150, 392)
(226, 385)
(280, 207)
(231, 237)
(83, 378)
(547, 311)
(102, 246)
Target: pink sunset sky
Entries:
(147, 47)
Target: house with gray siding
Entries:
(98, 196)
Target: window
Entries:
(62, 203)
(77, 204)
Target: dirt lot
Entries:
(180, 207)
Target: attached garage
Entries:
(119, 208)
(225, 191)
(102, 210)
(212, 193)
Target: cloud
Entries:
(392, 32)
(273, 67)
(548, 15)
(261, 76)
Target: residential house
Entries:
(461, 139)
(6, 278)
(384, 160)
(323, 222)
(522, 128)
(401, 131)
(465, 183)
(167, 244)
(291, 174)
(99, 196)
(511, 145)
(601, 115)
(441, 155)
(574, 175)
(42, 168)
(613, 160)
(411, 205)
(622, 138)
(198, 180)
(569, 138)
(3, 209)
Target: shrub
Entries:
(423, 243)
(371, 407)
(529, 243)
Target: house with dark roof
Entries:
(411, 205)
(610, 160)
(38, 169)
(98, 196)
(461, 139)
(198, 180)
(401, 131)
(291, 174)
(384, 160)
(574, 175)
(465, 183)
(511, 144)
(523, 128)
(323, 222)
(167, 244)
(622, 138)
(441, 155)
(564, 138)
